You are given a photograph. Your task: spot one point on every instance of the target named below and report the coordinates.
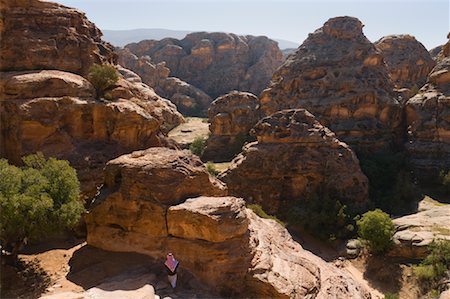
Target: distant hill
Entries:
(122, 37)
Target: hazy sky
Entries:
(427, 20)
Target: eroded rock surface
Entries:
(146, 207)
(338, 75)
(416, 231)
(295, 157)
(216, 62)
(45, 35)
(428, 121)
(188, 99)
(408, 61)
(231, 117)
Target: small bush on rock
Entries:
(261, 213)
(37, 200)
(102, 77)
(211, 168)
(197, 147)
(437, 263)
(377, 229)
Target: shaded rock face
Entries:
(338, 75)
(295, 158)
(216, 62)
(188, 99)
(434, 53)
(428, 121)
(57, 113)
(223, 244)
(231, 117)
(408, 61)
(416, 231)
(53, 37)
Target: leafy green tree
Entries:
(37, 200)
(197, 147)
(377, 228)
(102, 77)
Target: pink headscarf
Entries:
(171, 262)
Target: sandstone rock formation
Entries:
(44, 35)
(216, 62)
(146, 207)
(294, 158)
(188, 99)
(338, 75)
(231, 117)
(56, 111)
(435, 52)
(408, 61)
(428, 121)
(416, 231)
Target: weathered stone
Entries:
(295, 157)
(428, 121)
(408, 61)
(217, 239)
(338, 75)
(216, 62)
(416, 231)
(231, 117)
(45, 35)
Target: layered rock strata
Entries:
(428, 121)
(56, 111)
(149, 205)
(338, 75)
(408, 61)
(294, 159)
(231, 117)
(216, 62)
(188, 99)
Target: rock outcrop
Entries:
(44, 35)
(435, 52)
(55, 110)
(188, 99)
(294, 158)
(231, 117)
(428, 121)
(408, 61)
(145, 207)
(216, 62)
(416, 231)
(338, 75)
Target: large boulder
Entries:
(428, 122)
(231, 117)
(295, 158)
(188, 99)
(57, 113)
(408, 61)
(338, 75)
(216, 62)
(145, 207)
(45, 35)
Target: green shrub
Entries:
(37, 200)
(261, 213)
(211, 168)
(102, 77)
(436, 264)
(323, 216)
(197, 147)
(391, 296)
(377, 229)
(390, 183)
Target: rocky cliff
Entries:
(408, 61)
(216, 62)
(231, 118)
(338, 75)
(428, 120)
(188, 99)
(295, 158)
(217, 239)
(46, 106)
